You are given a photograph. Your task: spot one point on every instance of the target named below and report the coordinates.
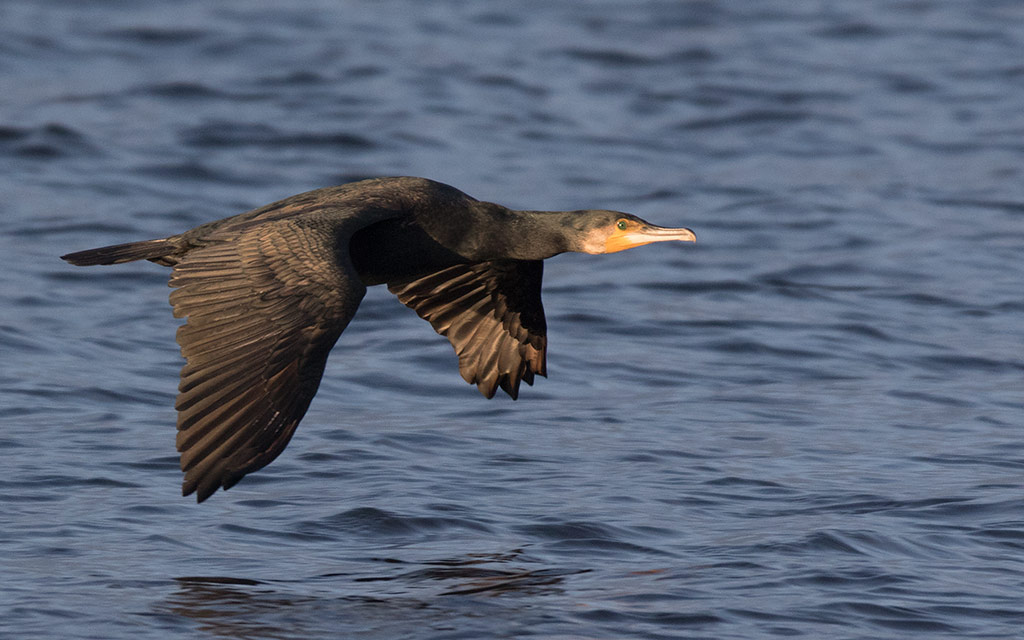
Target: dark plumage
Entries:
(267, 293)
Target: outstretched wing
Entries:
(264, 307)
(492, 314)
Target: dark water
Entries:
(809, 424)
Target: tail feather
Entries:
(115, 254)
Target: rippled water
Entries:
(809, 424)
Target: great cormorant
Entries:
(267, 293)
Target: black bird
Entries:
(267, 293)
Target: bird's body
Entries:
(268, 292)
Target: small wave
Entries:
(746, 118)
(223, 134)
(157, 35)
(930, 398)
(586, 538)
(956, 363)
(659, 618)
(45, 142)
(853, 30)
(499, 81)
(1007, 206)
(294, 78)
(371, 522)
(191, 170)
(892, 617)
(622, 58)
(181, 90)
(757, 347)
(701, 286)
(62, 481)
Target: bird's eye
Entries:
(621, 224)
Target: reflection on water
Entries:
(246, 608)
(474, 574)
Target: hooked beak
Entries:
(646, 234)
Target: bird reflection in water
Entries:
(245, 608)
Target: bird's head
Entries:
(611, 231)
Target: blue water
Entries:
(807, 425)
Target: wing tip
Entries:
(188, 487)
(205, 487)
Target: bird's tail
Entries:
(115, 254)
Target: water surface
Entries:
(809, 424)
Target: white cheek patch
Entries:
(594, 242)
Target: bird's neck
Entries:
(486, 231)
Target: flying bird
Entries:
(267, 293)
